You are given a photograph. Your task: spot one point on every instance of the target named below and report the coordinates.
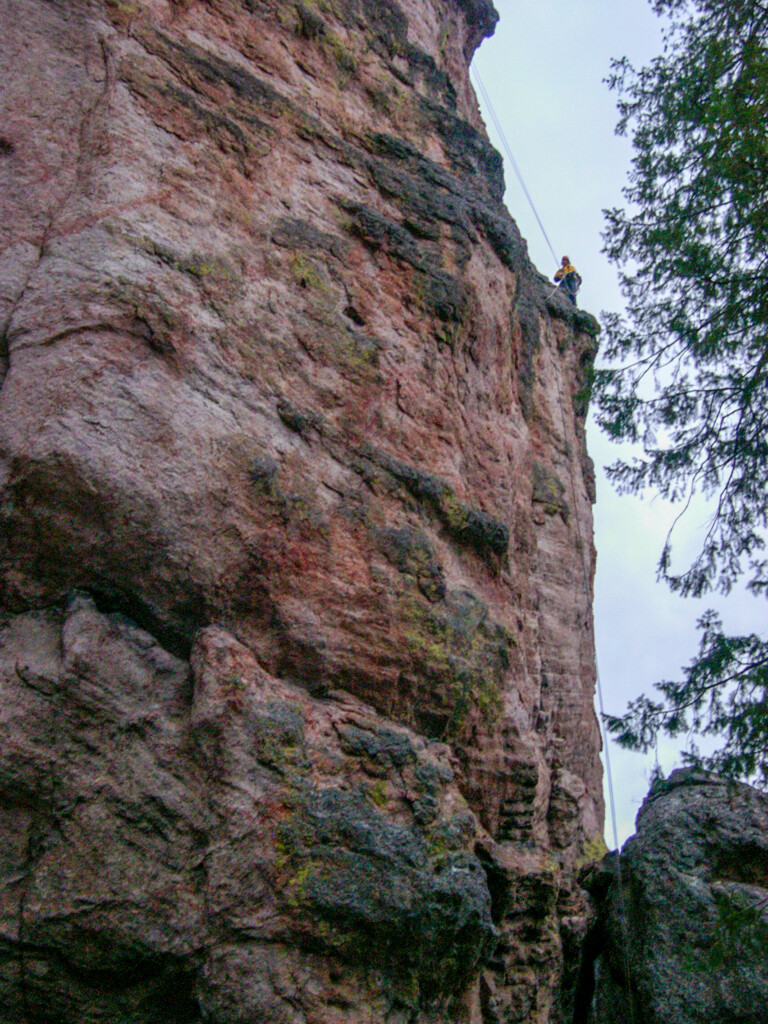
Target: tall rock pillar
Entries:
(296, 646)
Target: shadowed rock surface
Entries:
(684, 925)
(296, 646)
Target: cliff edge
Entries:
(296, 647)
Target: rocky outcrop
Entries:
(296, 644)
(682, 929)
(205, 839)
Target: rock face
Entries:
(296, 646)
(683, 920)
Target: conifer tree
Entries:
(687, 367)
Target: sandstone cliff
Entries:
(296, 645)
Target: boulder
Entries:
(681, 935)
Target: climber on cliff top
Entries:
(568, 278)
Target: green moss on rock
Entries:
(549, 492)
(462, 654)
(429, 926)
(468, 526)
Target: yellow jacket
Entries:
(564, 271)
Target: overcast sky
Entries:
(544, 70)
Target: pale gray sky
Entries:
(544, 70)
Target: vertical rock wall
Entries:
(296, 647)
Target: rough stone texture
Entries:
(183, 832)
(296, 561)
(682, 921)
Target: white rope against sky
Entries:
(510, 157)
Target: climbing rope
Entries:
(606, 748)
(515, 167)
(604, 731)
(513, 163)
